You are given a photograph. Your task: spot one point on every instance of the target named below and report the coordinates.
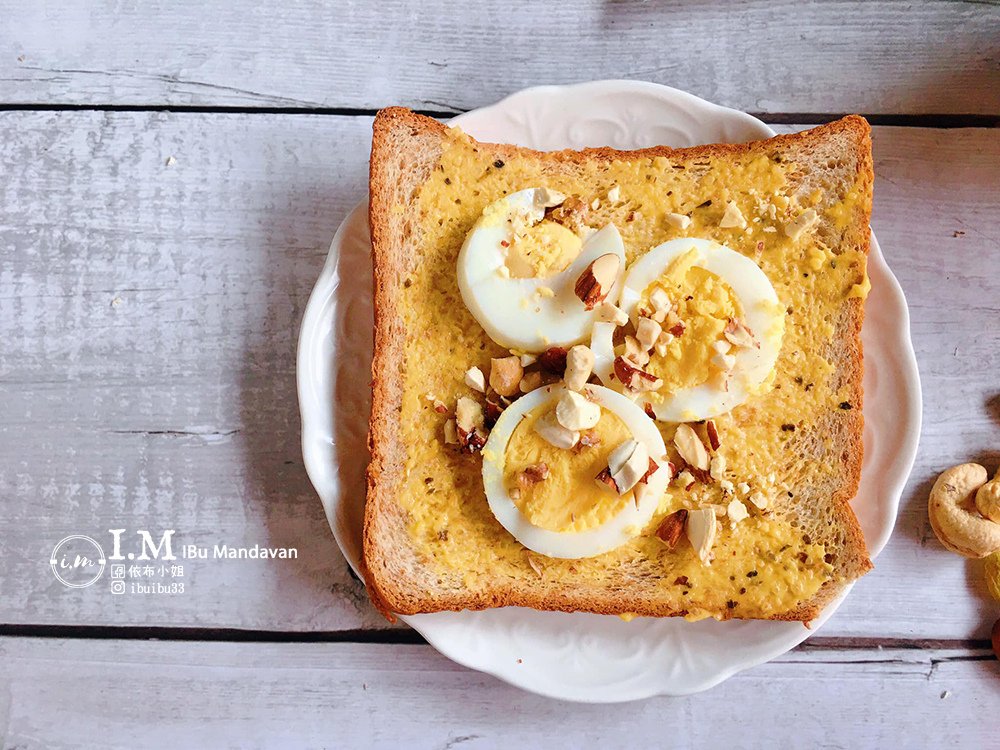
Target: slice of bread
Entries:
(829, 167)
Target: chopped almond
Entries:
(609, 313)
(554, 433)
(532, 475)
(475, 379)
(647, 331)
(678, 221)
(713, 434)
(634, 378)
(579, 366)
(505, 375)
(530, 382)
(553, 360)
(670, 529)
(596, 281)
(635, 351)
(701, 528)
(690, 447)
(737, 334)
(605, 479)
(576, 413)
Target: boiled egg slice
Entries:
(747, 366)
(569, 514)
(531, 312)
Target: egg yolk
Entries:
(705, 304)
(545, 249)
(569, 498)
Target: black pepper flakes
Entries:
(788, 428)
(743, 590)
(731, 604)
(752, 574)
(447, 180)
(407, 283)
(498, 164)
(706, 204)
(846, 405)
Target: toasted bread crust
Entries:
(405, 148)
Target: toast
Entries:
(430, 542)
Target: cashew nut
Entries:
(988, 499)
(954, 516)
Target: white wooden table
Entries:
(170, 178)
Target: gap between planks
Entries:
(940, 121)
(412, 637)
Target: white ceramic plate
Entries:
(586, 657)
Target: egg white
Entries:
(512, 311)
(760, 305)
(610, 535)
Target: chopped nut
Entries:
(614, 194)
(588, 439)
(597, 279)
(468, 414)
(670, 529)
(575, 413)
(737, 334)
(662, 343)
(530, 382)
(579, 366)
(635, 351)
(527, 359)
(733, 217)
(685, 479)
(450, 432)
(605, 479)
(690, 447)
(678, 221)
(505, 375)
(628, 464)
(550, 430)
(722, 347)
(595, 204)
(647, 331)
(737, 511)
(718, 466)
(724, 361)
(553, 360)
(492, 412)
(726, 486)
(440, 408)
(759, 500)
(475, 379)
(743, 487)
(532, 475)
(634, 378)
(470, 422)
(713, 434)
(701, 528)
(609, 313)
(802, 223)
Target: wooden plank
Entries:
(759, 56)
(125, 694)
(149, 313)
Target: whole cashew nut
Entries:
(988, 499)
(955, 517)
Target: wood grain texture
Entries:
(149, 315)
(126, 694)
(844, 56)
